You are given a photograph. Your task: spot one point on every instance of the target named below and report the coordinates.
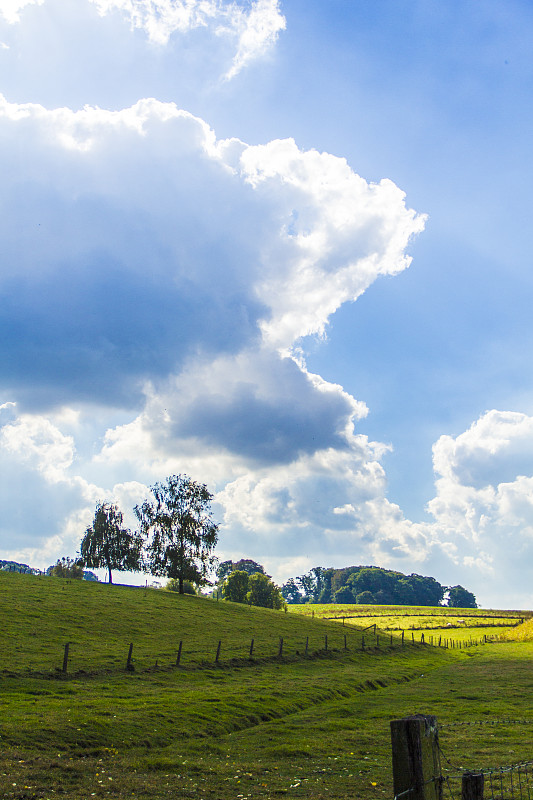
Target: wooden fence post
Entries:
(326, 642)
(472, 786)
(129, 665)
(178, 657)
(345, 643)
(280, 651)
(251, 648)
(415, 757)
(218, 652)
(306, 644)
(65, 658)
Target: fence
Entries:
(417, 759)
(367, 640)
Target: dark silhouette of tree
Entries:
(108, 544)
(183, 534)
(459, 597)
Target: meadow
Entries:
(312, 725)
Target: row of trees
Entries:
(176, 536)
(373, 585)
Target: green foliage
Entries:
(243, 565)
(173, 585)
(66, 567)
(235, 587)
(263, 592)
(183, 534)
(290, 592)
(108, 544)
(459, 597)
(310, 727)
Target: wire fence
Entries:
(454, 781)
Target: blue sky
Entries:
(282, 247)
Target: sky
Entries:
(283, 247)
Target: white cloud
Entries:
(175, 272)
(254, 27)
(36, 439)
(10, 9)
(258, 32)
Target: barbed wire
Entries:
(485, 722)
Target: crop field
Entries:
(451, 624)
(309, 725)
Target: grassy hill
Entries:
(312, 725)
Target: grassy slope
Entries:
(311, 727)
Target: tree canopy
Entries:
(66, 567)
(373, 586)
(183, 534)
(244, 564)
(235, 587)
(459, 597)
(108, 544)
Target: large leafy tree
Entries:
(244, 565)
(183, 534)
(459, 597)
(263, 592)
(108, 544)
(235, 587)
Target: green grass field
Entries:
(313, 726)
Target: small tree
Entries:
(183, 532)
(66, 567)
(108, 544)
(173, 585)
(459, 597)
(235, 586)
(263, 592)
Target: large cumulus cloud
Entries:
(158, 281)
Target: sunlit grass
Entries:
(312, 726)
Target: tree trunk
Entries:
(110, 576)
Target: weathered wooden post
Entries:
(129, 665)
(178, 657)
(218, 652)
(415, 757)
(306, 644)
(280, 651)
(472, 786)
(345, 643)
(326, 642)
(251, 648)
(403, 636)
(65, 658)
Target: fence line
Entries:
(417, 770)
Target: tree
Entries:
(459, 597)
(183, 533)
(173, 585)
(108, 544)
(235, 587)
(244, 564)
(66, 567)
(263, 592)
(290, 592)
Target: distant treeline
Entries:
(371, 585)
